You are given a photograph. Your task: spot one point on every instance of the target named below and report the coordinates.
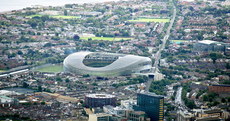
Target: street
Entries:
(178, 99)
(157, 56)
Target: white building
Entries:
(106, 64)
(209, 45)
(99, 117)
(7, 101)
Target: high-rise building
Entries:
(151, 104)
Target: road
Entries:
(178, 99)
(157, 56)
(14, 72)
(179, 102)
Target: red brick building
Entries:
(219, 88)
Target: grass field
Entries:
(150, 20)
(51, 68)
(3, 70)
(31, 16)
(66, 17)
(105, 38)
(56, 16)
(178, 41)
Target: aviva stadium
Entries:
(106, 64)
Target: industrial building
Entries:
(209, 46)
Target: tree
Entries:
(216, 103)
(32, 23)
(67, 80)
(223, 100)
(20, 52)
(58, 79)
(43, 103)
(228, 65)
(215, 56)
(81, 101)
(65, 12)
(86, 75)
(39, 88)
(94, 84)
(76, 37)
(229, 99)
(45, 18)
(101, 44)
(191, 104)
(25, 85)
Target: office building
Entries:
(151, 104)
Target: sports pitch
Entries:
(105, 38)
(150, 20)
(51, 68)
(178, 41)
(56, 16)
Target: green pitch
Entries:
(150, 20)
(66, 17)
(56, 16)
(51, 68)
(3, 70)
(105, 38)
(178, 41)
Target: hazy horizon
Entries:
(20, 4)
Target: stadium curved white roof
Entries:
(123, 62)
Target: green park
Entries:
(3, 71)
(50, 68)
(105, 38)
(150, 20)
(178, 41)
(55, 16)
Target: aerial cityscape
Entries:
(127, 60)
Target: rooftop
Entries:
(100, 96)
(209, 119)
(151, 94)
(208, 42)
(221, 85)
(4, 97)
(213, 111)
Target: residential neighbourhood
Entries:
(187, 41)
